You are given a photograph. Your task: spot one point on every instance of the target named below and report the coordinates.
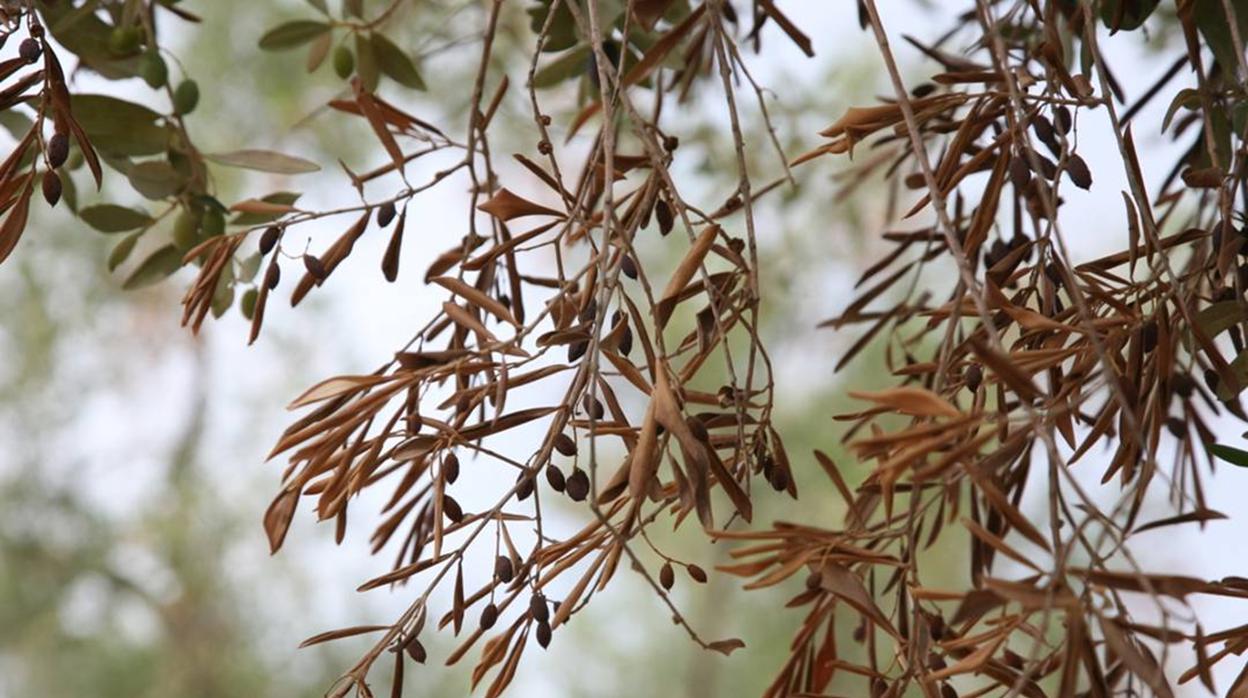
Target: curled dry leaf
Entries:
(278, 517)
(726, 647)
(341, 633)
(334, 387)
(506, 206)
(909, 400)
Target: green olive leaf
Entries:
(111, 218)
(118, 127)
(366, 66)
(156, 179)
(292, 34)
(395, 63)
(569, 65)
(121, 251)
(1231, 455)
(158, 266)
(264, 161)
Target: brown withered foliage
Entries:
(1011, 361)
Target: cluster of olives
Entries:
(130, 40)
(56, 152)
(194, 224)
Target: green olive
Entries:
(125, 40)
(186, 97)
(185, 230)
(344, 62)
(214, 222)
(153, 70)
(248, 303)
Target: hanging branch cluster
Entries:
(1029, 357)
(1030, 361)
(597, 331)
